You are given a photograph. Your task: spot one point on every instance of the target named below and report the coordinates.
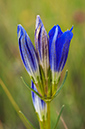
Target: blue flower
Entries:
(39, 105)
(45, 62)
(28, 53)
(42, 45)
(59, 43)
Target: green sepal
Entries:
(42, 74)
(40, 86)
(32, 79)
(28, 122)
(31, 89)
(59, 117)
(42, 79)
(54, 86)
(58, 91)
(49, 74)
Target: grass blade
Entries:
(26, 120)
(59, 117)
(26, 124)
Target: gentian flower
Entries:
(28, 53)
(45, 62)
(39, 105)
(59, 43)
(42, 45)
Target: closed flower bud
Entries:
(59, 43)
(42, 46)
(39, 105)
(28, 53)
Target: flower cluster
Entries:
(45, 62)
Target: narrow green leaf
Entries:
(59, 117)
(31, 89)
(58, 91)
(28, 122)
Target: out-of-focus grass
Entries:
(65, 13)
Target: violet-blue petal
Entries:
(42, 104)
(62, 49)
(58, 47)
(39, 105)
(27, 50)
(54, 34)
(41, 43)
(53, 31)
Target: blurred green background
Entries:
(65, 13)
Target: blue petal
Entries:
(39, 105)
(62, 49)
(38, 29)
(41, 43)
(35, 98)
(58, 47)
(27, 50)
(53, 31)
(54, 34)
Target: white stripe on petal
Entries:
(54, 54)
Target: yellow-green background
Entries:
(65, 13)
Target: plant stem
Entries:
(48, 115)
(45, 124)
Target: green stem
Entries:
(48, 115)
(45, 124)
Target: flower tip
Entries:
(38, 16)
(19, 27)
(20, 30)
(38, 21)
(71, 28)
